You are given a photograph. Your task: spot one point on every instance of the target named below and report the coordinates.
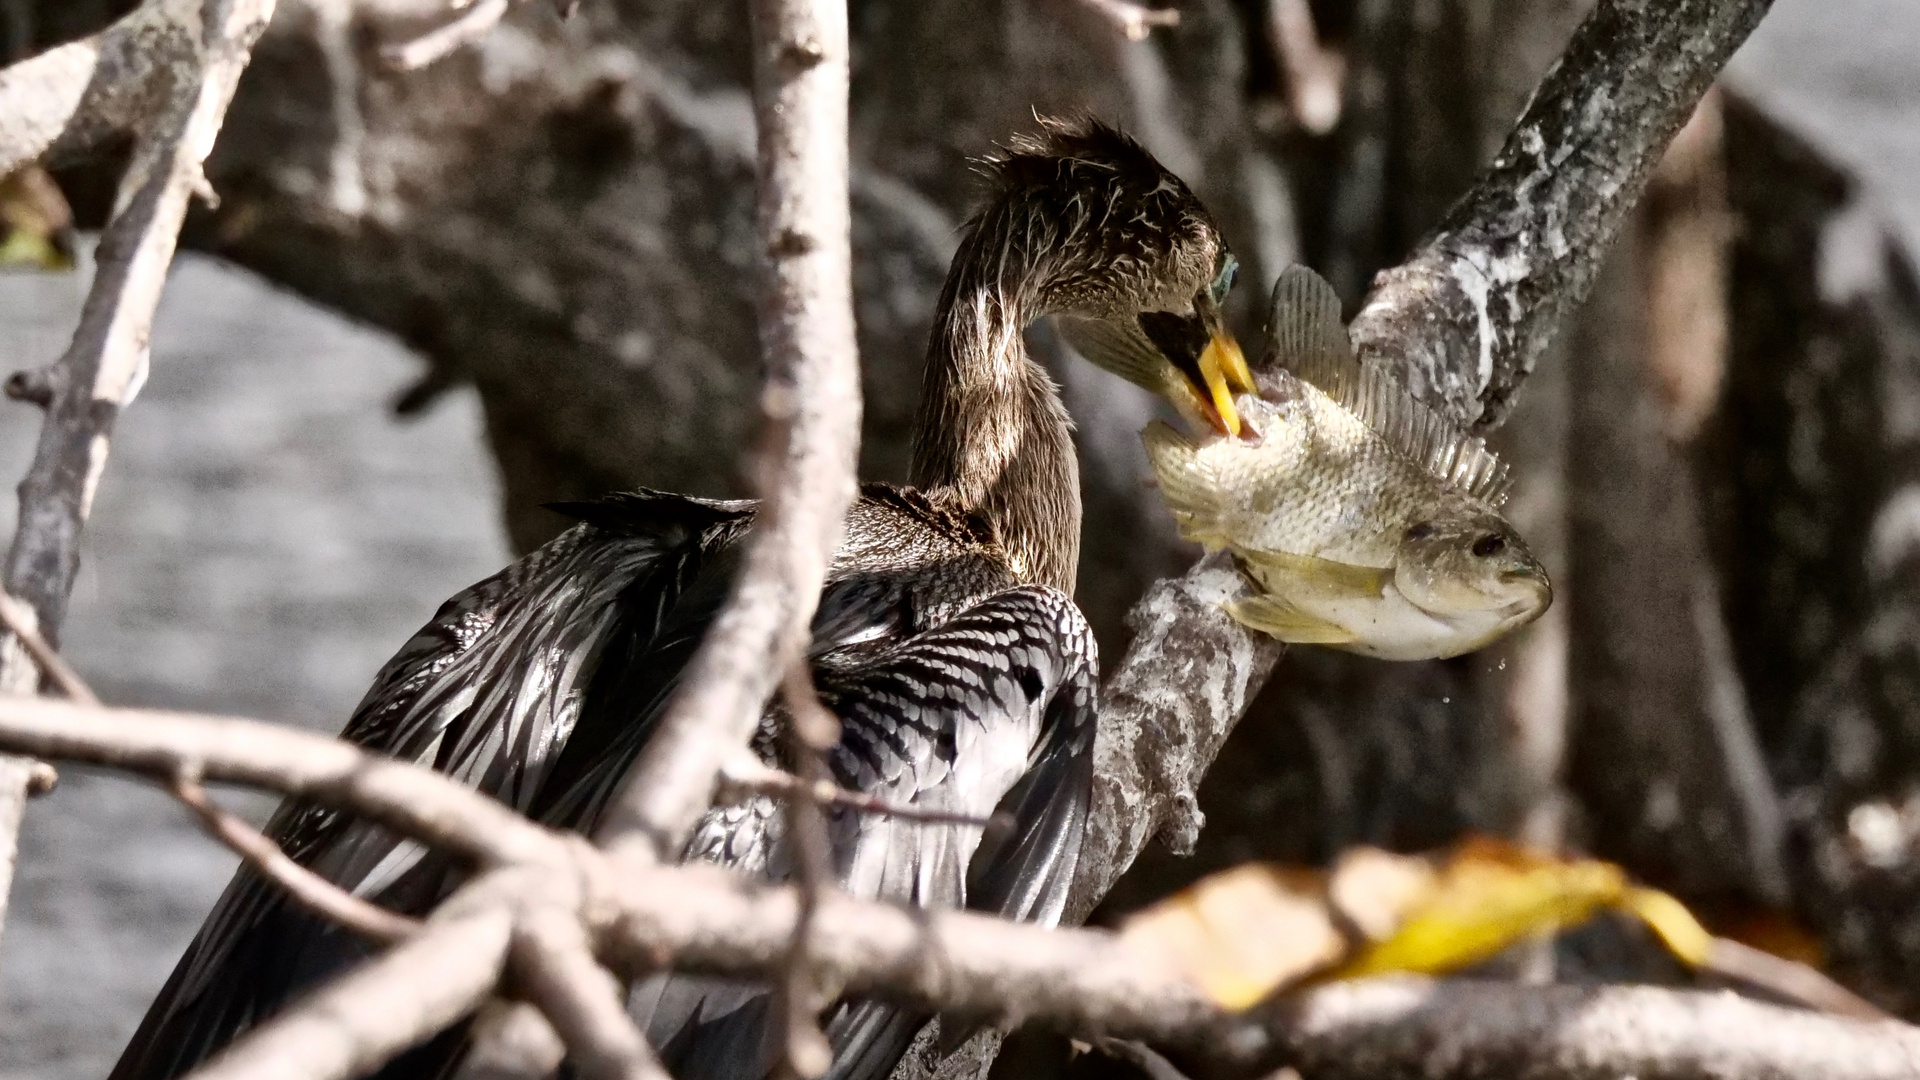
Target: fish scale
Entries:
(1367, 522)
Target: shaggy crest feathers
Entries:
(1070, 143)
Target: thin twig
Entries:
(813, 393)
(1786, 980)
(1134, 21)
(312, 891)
(746, 774)
(812, 732)
(445, 40)
(19, 618)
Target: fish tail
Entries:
(1190, 488)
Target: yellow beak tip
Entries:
(1225, 370)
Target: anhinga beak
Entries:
(1204, 351)
(1223, 371)
(1190, 359)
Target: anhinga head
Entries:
(1126, 257)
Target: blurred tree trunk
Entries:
(1811, 466)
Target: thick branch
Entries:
(1416, 1029)
(1465, 318)
(812, 395)
(554, 965)
(71, 99)
(1086, 982)
(1503, 269)
(1165, 712)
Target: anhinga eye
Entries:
(1489, 545)
(1223, 281)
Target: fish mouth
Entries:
(1537, 594)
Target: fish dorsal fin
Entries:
(1311, 343)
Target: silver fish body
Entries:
(1366, 525)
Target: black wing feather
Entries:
(1012, 677)
(547, 620)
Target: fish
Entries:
(1366, 521)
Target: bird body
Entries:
(1368, 523)
(944, 640)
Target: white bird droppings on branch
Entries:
(1463, 320)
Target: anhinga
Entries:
(962, 673)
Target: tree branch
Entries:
(1539, 221)
(745, 774)
(359, 1021)
(71, 99)
(443, 41)
(1419, 1029)
(1134, 20)
(310, 890)
(554, 965)
(1465, 318)
(704, 919)
(167, 71)
(418, 803)
(20, 621)
(812, 395)
(1188, 675)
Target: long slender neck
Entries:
(992, 438)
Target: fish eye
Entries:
(1489, 545)
(1420, 530)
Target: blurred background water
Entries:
(267, 534)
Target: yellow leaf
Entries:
(1487, 897)
(1672, 923)
(36, 227)
(1248, 932)
(1243, 933)
(1373, 889)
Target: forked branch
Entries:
(702, 919)
(164, 74)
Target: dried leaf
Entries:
(1242, 933)
(37, 224)
(1489, 895)
(1246, 933)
